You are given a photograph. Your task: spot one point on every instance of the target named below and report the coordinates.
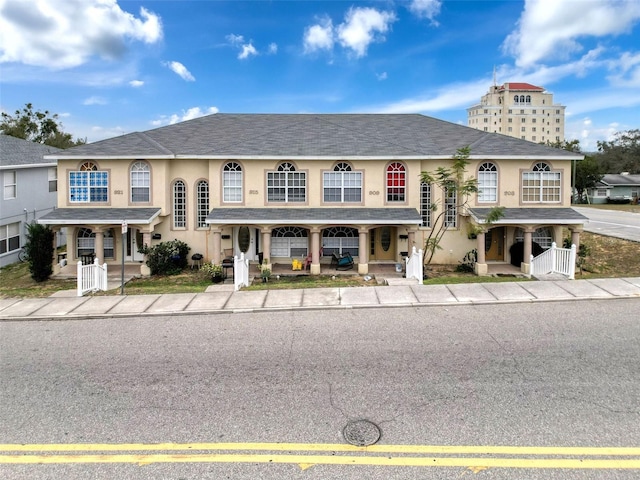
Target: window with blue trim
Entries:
(88, 185)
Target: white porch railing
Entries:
(92, 277)
(414, 265)
(240, 272)
(555, 260)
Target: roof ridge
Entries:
(151, 141)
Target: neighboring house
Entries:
(623, 186)
(519, 110)
(29, 190)
(293, 186)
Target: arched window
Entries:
(542, 236)
(289, 242)
(179, 204)
(202, 192)
(232, 182)
(516, 99)
(541, 185)
(86, 242)
(487, 182)
(342, 185)
(340, 240)
(521, 98)
(140, 182)
(88, 184)
(396, 182)
(528, 100)
(425, 204)
(286, 185)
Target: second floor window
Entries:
(140, 182)
(232, 182)
(203, 203)
(451, 207)
(342, 185)
(286, 185)
(10, 184)
(53, 179)
(179, 204)
(88, 184)
(541, 185)
(396, 182)
(487, 183)
(425, 204)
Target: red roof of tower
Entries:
(520, 86)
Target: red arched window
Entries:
(396, 182)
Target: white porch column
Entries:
(481, 267)
(266, 245)
(99, 244)
(146, 241)
(314, 268)
(363, 252)
(54, 259)
(216, 239)
(525, 266)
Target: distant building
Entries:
(520, 110)
(29, 190)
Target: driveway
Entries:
(613, 223)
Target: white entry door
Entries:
(252, 251)
(133, 237)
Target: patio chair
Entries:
(342, 262)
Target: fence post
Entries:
(79, 278)
(531, 266)
(96, 274)
(572, 262)
(554, 268)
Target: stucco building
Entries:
(519, 110)
(308, 185)
(29, 190)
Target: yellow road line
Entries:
(563, 463)
(325, 447)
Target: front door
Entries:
(246, 238)
(494, 244)
(134, 240)
(384, 243)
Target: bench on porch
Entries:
(342, 262)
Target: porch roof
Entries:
(531, 216)
(100, 216)
(314, 216)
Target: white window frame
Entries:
(53, 179)
(286, 185)
(541, 185)
(9, 238)
(342, 185)
(396, 182)
(140, 182)
(10, 184)
(88, 184)
(451, 207)
(425, 204)
(202, 207)
(179, 190)
(232, 183)
(487, 183)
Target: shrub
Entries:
(39, 248)
(167, 258)
(468, 262)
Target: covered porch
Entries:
(519, 233)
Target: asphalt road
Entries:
(547, 375)
(613, 223)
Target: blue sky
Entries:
(109, 67)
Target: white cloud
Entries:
(273, 49)
(95, 100)
(319, 36)
(626, 71)
(136, 83)
(382, 76)
(550, 30)
(426, 9)
(180, 70)
(247, 51)
(234, 39)
(363, 26)
(189, 114)
(61, 34)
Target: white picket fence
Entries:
(92, 277)
(240, 272)
(414, 265)
(555, 260)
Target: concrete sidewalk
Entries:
(224, 299)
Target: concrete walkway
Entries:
(223, 299)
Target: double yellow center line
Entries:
(327, 454)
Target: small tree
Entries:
(39, 248)
(456, 190)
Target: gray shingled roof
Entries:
(17, 152)
(619, 180)
(318, 216)
(314, 136)
(531, 216)
(101, 216)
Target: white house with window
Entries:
(277, 187)
(29, 190)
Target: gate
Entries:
(92, 277)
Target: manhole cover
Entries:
(361, 433)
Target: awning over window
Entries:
(314, 216)
(531, 216)
(100, 216)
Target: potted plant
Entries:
(265, 271)
(214, 271)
